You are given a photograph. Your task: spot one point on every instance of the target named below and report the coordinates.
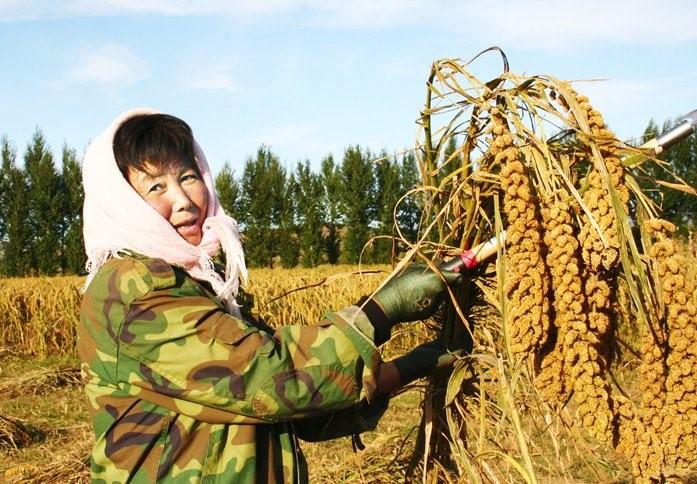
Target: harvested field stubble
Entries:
(69, 464)
(13, 432)
(52, 412)
(40, 382)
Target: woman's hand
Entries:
(417, 363)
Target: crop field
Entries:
(43, 412)
(39, 315)
(42, 407)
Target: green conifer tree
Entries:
(7, 154)
(45, 203)
(449, 161)
(310, 214)
(287, 244)
(72, 244)
(652, 130)
(358, 205)
(262, 189)
(228, 190)
(255, 215)
(14, 205)
(410, 208)
(387, 193)
(678, 207)
(330, 179)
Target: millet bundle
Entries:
(567, 204)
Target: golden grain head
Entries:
(527, 281)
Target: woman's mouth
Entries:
(189, 229)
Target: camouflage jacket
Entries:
(181, 391)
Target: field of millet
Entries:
(43, 411)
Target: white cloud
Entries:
(326, 13)
(543, 24)
(111, 65)
(211, 78)
(11, 10)
(375, 14)
(14, 10)
(532, 23)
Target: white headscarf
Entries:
(116, 218)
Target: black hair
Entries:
(158, 140)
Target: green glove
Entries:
(424, 359)
(414, 294)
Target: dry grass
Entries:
(387, 450)
(14, 433)
(40, 382)
(54, 412)
(69, 465)
(39, 316)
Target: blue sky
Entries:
(310, 77)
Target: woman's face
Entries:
(177, 193)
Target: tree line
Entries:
(681, 160)
(40, 211)
(342, 212)
(288, 217)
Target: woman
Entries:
(182, 384)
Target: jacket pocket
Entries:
(224, 328)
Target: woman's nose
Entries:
(180, 199)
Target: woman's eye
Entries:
(155, 188)
(190, 176)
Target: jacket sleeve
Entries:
(179, 348)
